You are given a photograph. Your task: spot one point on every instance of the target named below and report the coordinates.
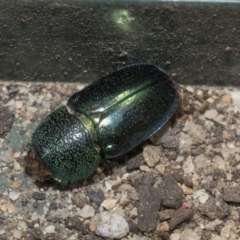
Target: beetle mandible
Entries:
(106, 119)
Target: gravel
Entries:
(182, 184)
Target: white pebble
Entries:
(201, 195)
(188, 166)
(144, 168)
(87, 211)
(210, 114)
(108, 185)
(175, 236)
(50, 229)
(112, 225)
(231, 145)
(109, 203)
(235, 97)
(14, 195)
(16, 166)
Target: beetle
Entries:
(106, 119)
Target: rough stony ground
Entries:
(184, 186)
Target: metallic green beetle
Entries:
(104, 120)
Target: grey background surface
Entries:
(84, 40)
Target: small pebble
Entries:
(17, 234)
(174, 75)
(29, 115)
(228, 49)
(198, 134)
(32, 98)
(6, 120)
(226, 231)
(227, 135)
(210, 114)
(129, 191)
(50, 229)
(188, 166)
(16, 184)
(226, 99)
(16, 166)
(186, 205)
(58, 215)
(35, 204)
(109, 203)
(108, 185)
(10, 103)
(163, 227)
(179, 216)
(87, 211)
(201, 195)
(3, 208)
(231, 145)
(145, 168)
(151, 155)
(112, 225)
(232, 194)
(18, 104)
(10, 207)
(165, 215)
(175, 236)
(14, 195)
(190, 234)
(96, 196)
(16, 154)
(238, 131)
(235, 97)
(187, 190)
(212, 224)
(160, 168)
(39, 195)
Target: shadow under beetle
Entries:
(104, 120)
